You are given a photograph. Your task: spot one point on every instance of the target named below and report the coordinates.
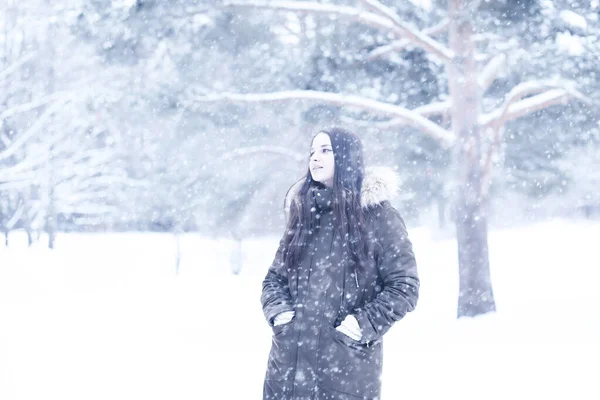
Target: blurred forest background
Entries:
(102, 129)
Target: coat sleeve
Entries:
(398, 269)
(276, 296)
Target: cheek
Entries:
(331, 166)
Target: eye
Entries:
(326, 150)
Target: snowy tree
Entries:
(475, 136)
(56, 157)
(582, 170)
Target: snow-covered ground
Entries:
(105, 317)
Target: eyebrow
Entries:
(323, 145)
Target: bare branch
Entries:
(409, 116)
(490, 71)
(398, 45)
(264, 149)
(513, 108)
(397, 26)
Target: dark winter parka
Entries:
(309, 358)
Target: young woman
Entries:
(343, 274)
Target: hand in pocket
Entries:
(350, 328)
(283, 318)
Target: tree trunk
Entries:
(236, 255)
(441, 208)
(51, 230)
(177, 231)
(51, 215)
(51, 223)
(475, 286)
(27, 220)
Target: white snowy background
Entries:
(109, 124)
(104, 316)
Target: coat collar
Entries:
(379, 184)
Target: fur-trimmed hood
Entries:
(379, 184)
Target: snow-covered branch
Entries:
(437, 28)
(5, 140)
(441, 108)
(515, 106)
(487, 36)
(535, 103)
(244, 151)
(383, 10)
(398, 45)
(557, 92)
(21, 170)
(395, 25)
(381, 51)
(87, 209)
(32, 105)
(17, 183)
(14, 66)
(411, 117)
(491, 71)
(33, 129)
(10, 224)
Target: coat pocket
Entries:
(281, 366)
(283, 328)
(348, 341)
(349, 366)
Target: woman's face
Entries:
(321, 163)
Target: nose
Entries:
(315, 157)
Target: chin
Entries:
(321, 182)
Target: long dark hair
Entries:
(349, 215)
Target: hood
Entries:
(379, 184)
